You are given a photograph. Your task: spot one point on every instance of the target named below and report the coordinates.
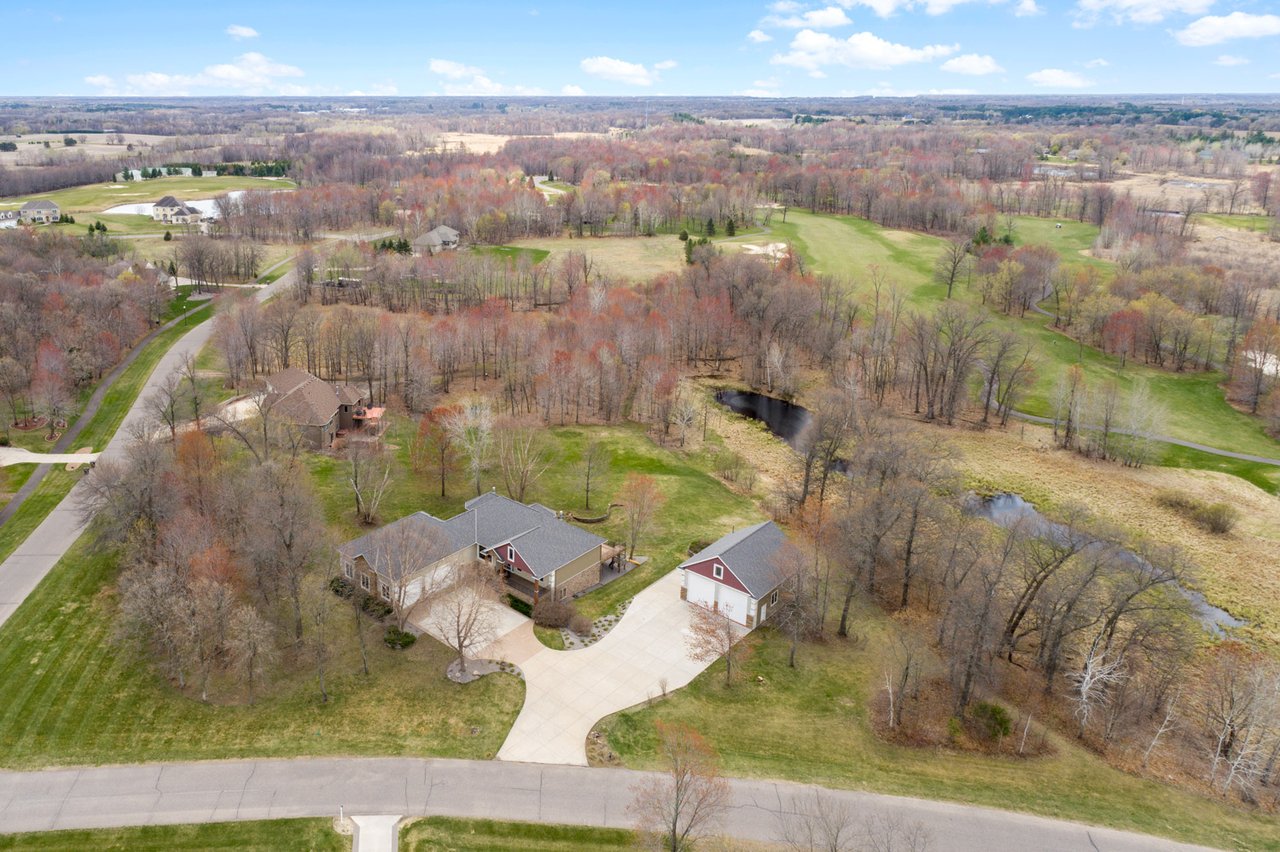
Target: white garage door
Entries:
(438, 580)
(706, 592)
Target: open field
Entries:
(97, 146)
(810, 724)
(98, 197)
(484, 835)
(1242, 222)
(74, 694)
(1239, 571)
(115, 405)
(284, 835)
(119, 223)
(633, 258)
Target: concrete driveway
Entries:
(432, 618)
(567, 692)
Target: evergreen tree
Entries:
(730, 228)
(168, 237)
(711, 227)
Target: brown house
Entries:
(534, 551)
(320, 409)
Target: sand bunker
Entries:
(772, 250)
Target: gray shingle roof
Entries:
(749, 554)
(378, 548)
(168, 201)
(39, 205)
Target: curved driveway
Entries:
(172, 794)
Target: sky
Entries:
(696, 47)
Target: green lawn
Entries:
(115, 405)
(75, 694)
(811, 725)
(99, 196)
(484, 835)
(315, 835)
(118, 223)
(513, 253)
(1240, 221)
(698, 504)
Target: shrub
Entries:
(341, 587)
(698, 544)
(581, 625)
(1217, 518)
(374, 607)
(993, 718)
(519, 605)
(399, 639)
(552, 613)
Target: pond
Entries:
(1005, 510)
(784, 419)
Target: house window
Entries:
(773, 598)
(511, 553)
(348, 572)
(364, 582)
(717, 571)
(384, 590)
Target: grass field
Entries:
(698, 504)
(117, 402)
(512, 253)
(74, 694)
(1238, 221)
(117, 224)
(810, 724)
(632, 258)
(99, 196)
(284, 835)
(484, 835)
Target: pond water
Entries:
(784, 419)
(207, 206)
(1008, 509)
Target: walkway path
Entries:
(36, 556)
(169, 794)
(376, 833)
(567, 692)
(91, 407)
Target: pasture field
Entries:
(99, 196)
(631, 258)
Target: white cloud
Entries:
(376, 90)
(621, 71)
(1097, 63)
(973, 64)
(759, 37)
(1230, 61)
(1027, 9)
(825, 18)
(762, 89)
(572, 90)
(1215, 29)
(470, 80)
(813, 50)
(239, 31)
(1056, 78)
(1137, 11)
(250, 74)
(453, 70)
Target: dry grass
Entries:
(1172, 190)
(633, 258)
(1240, 571)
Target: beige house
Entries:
(320, 409)
(534, 551)
(39, 212)
(171, 211)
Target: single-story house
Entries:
(535, 552)
(737, 574)
(39, 212)
(439, 238)
(9, 219)
(320, 409)
(172, 211)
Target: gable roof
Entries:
(300, 397)
(437, 236)
(748, 553)
(39, 205)
(379, 547)
(169, 201)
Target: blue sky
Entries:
(786, 48)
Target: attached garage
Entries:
(737, 575)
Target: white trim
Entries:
(385, 591)
(717, 571)
(364, 582)
(348, 571)
(511, 553)
(773, 598)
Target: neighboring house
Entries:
(737, 575)
(174, 212)
(535, 552)
(9, 219)
(439, 238)
(321, 410)
(39, 212)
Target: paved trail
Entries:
(99, 797)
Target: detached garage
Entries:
(737, 575)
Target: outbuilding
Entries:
(737, 575)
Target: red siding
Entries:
(704, 568)
(518, 563)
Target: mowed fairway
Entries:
(99, 196)
(629, 258)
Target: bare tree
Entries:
(819, 822)
(471, 426)
(641, 499)
(523, 456)
(369, 475)
(164, 401)
(713, 635)
(250, 641)
(952, 263)
(405, 551)
(465, 615)
(318, 641)
(1091, 685)
(593, 459)
(690, 796)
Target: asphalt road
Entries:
(109, 796)
(35, 557)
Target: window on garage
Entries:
(511, 553)
(717, 571)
